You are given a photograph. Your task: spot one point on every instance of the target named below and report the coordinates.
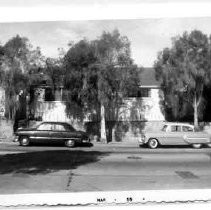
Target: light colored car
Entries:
(175, 134)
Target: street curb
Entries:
(120, 144)
(7, 142)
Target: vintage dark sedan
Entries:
(51, 132)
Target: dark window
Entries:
(175, 128)
(187, 129)
(141, 92)
(69, 127)
(144, 92)
(164, 127)
(58, 94)
(49, 95)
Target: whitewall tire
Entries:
(153, 143)
(70, 143)
(24, 141)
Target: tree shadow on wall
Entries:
(133, 123)
(44, 162)
(121, 120)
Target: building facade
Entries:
(145, 104)
(141, 110)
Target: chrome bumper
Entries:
(85, 140)
(142, 140)
(16, 138)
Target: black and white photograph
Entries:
(102, 106)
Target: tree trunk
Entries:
(196, 124)
(102, 124)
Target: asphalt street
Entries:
(102, 167)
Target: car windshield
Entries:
(164, 128)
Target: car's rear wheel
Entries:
(153, 143)
(196, 146)
(70, 143)
(24, 141)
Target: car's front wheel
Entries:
(153, 143)
(24, 141)
(70, 143)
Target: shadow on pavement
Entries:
(44, 162)
(60, 145)
(173, 147)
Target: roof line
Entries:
(149, 86)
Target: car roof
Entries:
(54, 122)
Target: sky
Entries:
(147, 35)
(29, 3)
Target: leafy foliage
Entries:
(99, 72)
(17, 59)
(80, 78)
(184, 70)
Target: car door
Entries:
(58, 134)
(187, 132)
(191, 137)
(43, 131)
(174, 136)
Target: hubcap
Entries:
(197, 145)
(153, 143)
(25, 141)
(70, 143)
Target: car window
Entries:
(60, 127)
(187, 129)
(69, 127)
(164, 128)
(176, 128)
(179, 128)
(45, 126)
(173, 128)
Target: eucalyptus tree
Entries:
(98, 74)
(184, 70)
(18, 59)
(116, 74)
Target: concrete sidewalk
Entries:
(119, 144)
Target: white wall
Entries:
(54, 111)
(133, 109)
(144, 108)
(151, 109)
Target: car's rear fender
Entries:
(197, 139)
